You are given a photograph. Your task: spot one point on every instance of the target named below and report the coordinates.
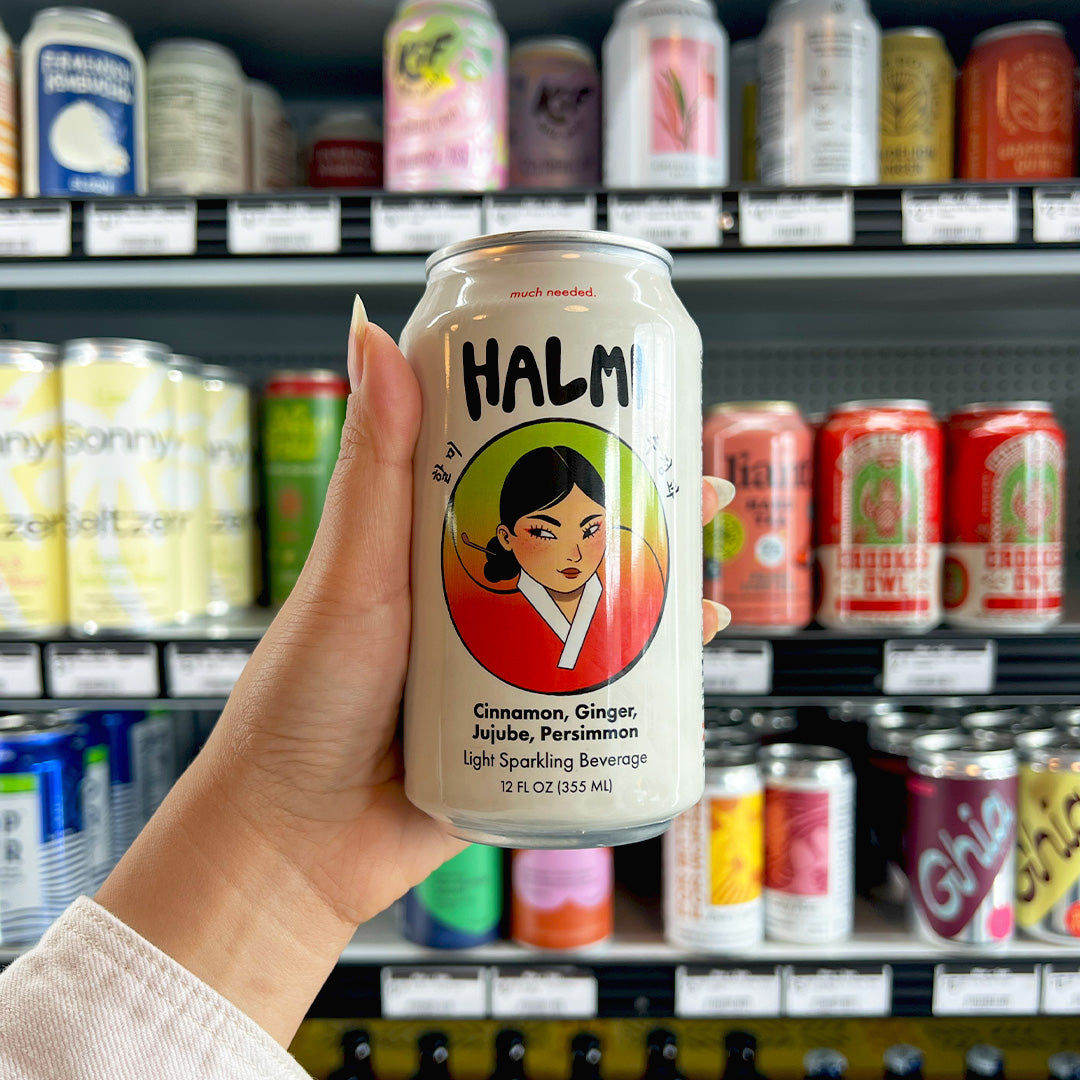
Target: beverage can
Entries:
(445, 97)
(191, 487)
(962, 837)
(554, 694)
(231, 490)
(554, 114)
(819, 70)
(757, 549)
(459, 905)
(120, 441)
(714, 854)
(32, 547)
(270, 145)
(1006, 721)
(878, 516)
(1018, 104)
(562, 899)
(918, 83)
(346, 151)
(742, 110)
(9, 118)
(303, 413)
(665, 96)
(1006, 519)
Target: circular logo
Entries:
(769, 550)
(555, 557)
(955, 585)
(1072, 919)
(730, 534)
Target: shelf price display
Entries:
(846, 991)
(102, 670)
(1056, 216)
(416, 993)
(423, 225)
(738, 667)
(737, 991)
(796, 219)
(41, 230)
(509, 214)
(1061, 989)
(964, 990)
(199, 670)
(938, 667)
(20, 670)
(960, 217)
(673, 221)
(140, 228)
(548, 992)
(284, 227)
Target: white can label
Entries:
(21, 896)
(153, 763)
(97, 812)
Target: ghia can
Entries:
(1006, 516)
(962, 836)
(554, 693)
(878, 516)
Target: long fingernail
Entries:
(723, 615)
(357, 334)
(725, 489)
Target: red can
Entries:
(757, 550)
(1006, 500)
(1017, 104)
(346, 151)
(878, 516)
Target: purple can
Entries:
(554, 114)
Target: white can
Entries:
(191, 486)
(9, 118)
(665, 96)
(819, 69)
(271, 141)
(554, 693)
(195, 104)
(742, 110)
(809, 843)
(83, 106)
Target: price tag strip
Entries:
(435, 993)
(939, 667)
(35, 232)
(673, 221)
(198, 670)
(796, 219)
(284, 227)
(717, 992)
(102, 670)
(560, 992)
(508, 214)
(963, 990)
(423, 225)
(1061, 989)
(960, 217)
(1057, 216)
(738, 667)
(847, 991)
(136, 228)
(20, 670)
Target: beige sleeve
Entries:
(94, 1000)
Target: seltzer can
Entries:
(809, 843)
(962, 837)
(1006, 520)
(191, 487)
(554, 694)
(878, 516)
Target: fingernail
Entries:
(723, 615)
(357, 332)
(725, 489)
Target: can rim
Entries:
(87, 13)
(989, 752)
(1004, 406)
(630, 7)
(325, 375)
(224, 374)
(1018, 29)
(15, 352)
(988, 719)
(914, 404)
(914, 31)
(193, 45)
(185, 363)
(554, 43)
(118, 350)
(1039, 747)
(785, 407)
(477, 5)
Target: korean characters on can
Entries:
(554, 694)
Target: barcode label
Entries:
(507, 214)
(711, 992)
(738, 667)
(796, 219)
(197, 670)
(35, 232)
(978, 991)
(938, 667)
(423, 225)
(434, 993)
(102, 670)
(150, 228)
(284, 227)
(20, 670)
(960, 217)
(1056, 216)
(838, 992)
(673, 221)
(547, 992)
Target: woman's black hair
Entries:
(537, 480)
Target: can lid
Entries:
(824, 1062)
(117, 350)
(224, 374)
(1017, 29)
(81, 13)
(919, 32)
(1066, 718)
(951, 753)
(1010, 721)
(984, 1060)
(797, 759)
(28, 355)
(1049, 746)
(173, 47)
(186, 363)
(474, 5)
(882, 403)
(902, 1059)
(11, 721)
(1064, 1066)
(753, 406)
(893, 733)
(356, 123)
(731, 746)
(1004, 406)
(641, 7)
(318, 375)
(35, 730)
(555, 44)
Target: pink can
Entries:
(445, 97)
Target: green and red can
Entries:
(303, 413)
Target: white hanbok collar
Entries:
(571, 634)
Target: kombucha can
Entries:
(757, 550)
(554, 694)
(193, 521)
(878, 516)
(1005, 527)
(562, 899)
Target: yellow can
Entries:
(192, 500)
(32, 593)
(231, 490)
(119, 440)
(917, 106)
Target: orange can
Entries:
(562, 899)
(1017, 106)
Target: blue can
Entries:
(96, 791)
(43, 857)
(460, 904)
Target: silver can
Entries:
(962, 837)
(819, 72)
(665, 96)
(554, 694)
(809, 851)
(1009, 721)
(714, 854)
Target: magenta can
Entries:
(445, 97)
(554, 114)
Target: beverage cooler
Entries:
(873, 215)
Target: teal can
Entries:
(460, 904)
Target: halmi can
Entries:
(191, 487)
(562, 899)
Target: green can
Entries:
(460, 904)
(303, 413)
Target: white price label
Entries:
(203, 670)
(738, 667)
(137, 228)
(100, 670)
(1057, 216)
(507, 214)
(284, 227)
(838, 992)
(549, 992)
(980, 991)
(20, 670)
(796, 219)
(434, 993)
(423, 225)
(674, 221)
(736, 992)
(960, 217)
(1060, 990)
(36, 232)
(938, 667)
